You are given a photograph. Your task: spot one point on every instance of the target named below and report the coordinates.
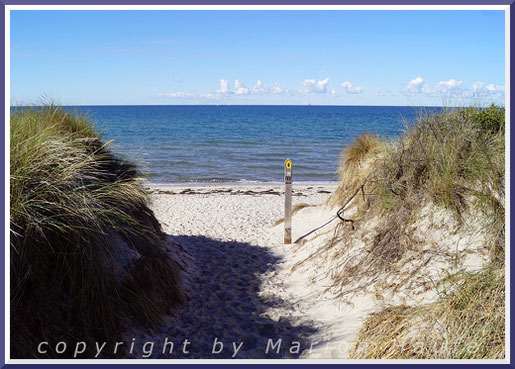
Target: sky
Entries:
(257, 57)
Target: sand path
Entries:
(241, 290)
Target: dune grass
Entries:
(72, 203)
(467, 322)
(452, 160)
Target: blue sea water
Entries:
(207, 143)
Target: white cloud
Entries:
(349, 88)
(494, 88)
(451, 87)
(481, 90)
(224, 87)
(309, 83)
(321, 85)
(239, 88)
(260, 88)
(477, 86)
(277, 89)
(481, 86)
(415, 86)
(454, 88)
(312, 85)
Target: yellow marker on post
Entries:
(287, 200)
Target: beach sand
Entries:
(239, 278)
(247, 290)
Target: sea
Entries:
(244, 143)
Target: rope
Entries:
(340, 212)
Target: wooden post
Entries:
(287, 201)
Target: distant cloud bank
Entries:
(450, 89)
(454, 89)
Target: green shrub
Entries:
(490, 119)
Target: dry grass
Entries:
(69, 196)
(466, 323)
(454, 161)
(356, 165)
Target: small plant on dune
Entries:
(353, 156)
(77, 214)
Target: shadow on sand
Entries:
(224, 281)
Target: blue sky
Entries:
(257, 57)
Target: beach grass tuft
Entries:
(356, 166)
(88, 256)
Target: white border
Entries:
(507, 275)
(255, 7)
(7, 225)
(9, 8)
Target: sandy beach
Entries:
(239, 276)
